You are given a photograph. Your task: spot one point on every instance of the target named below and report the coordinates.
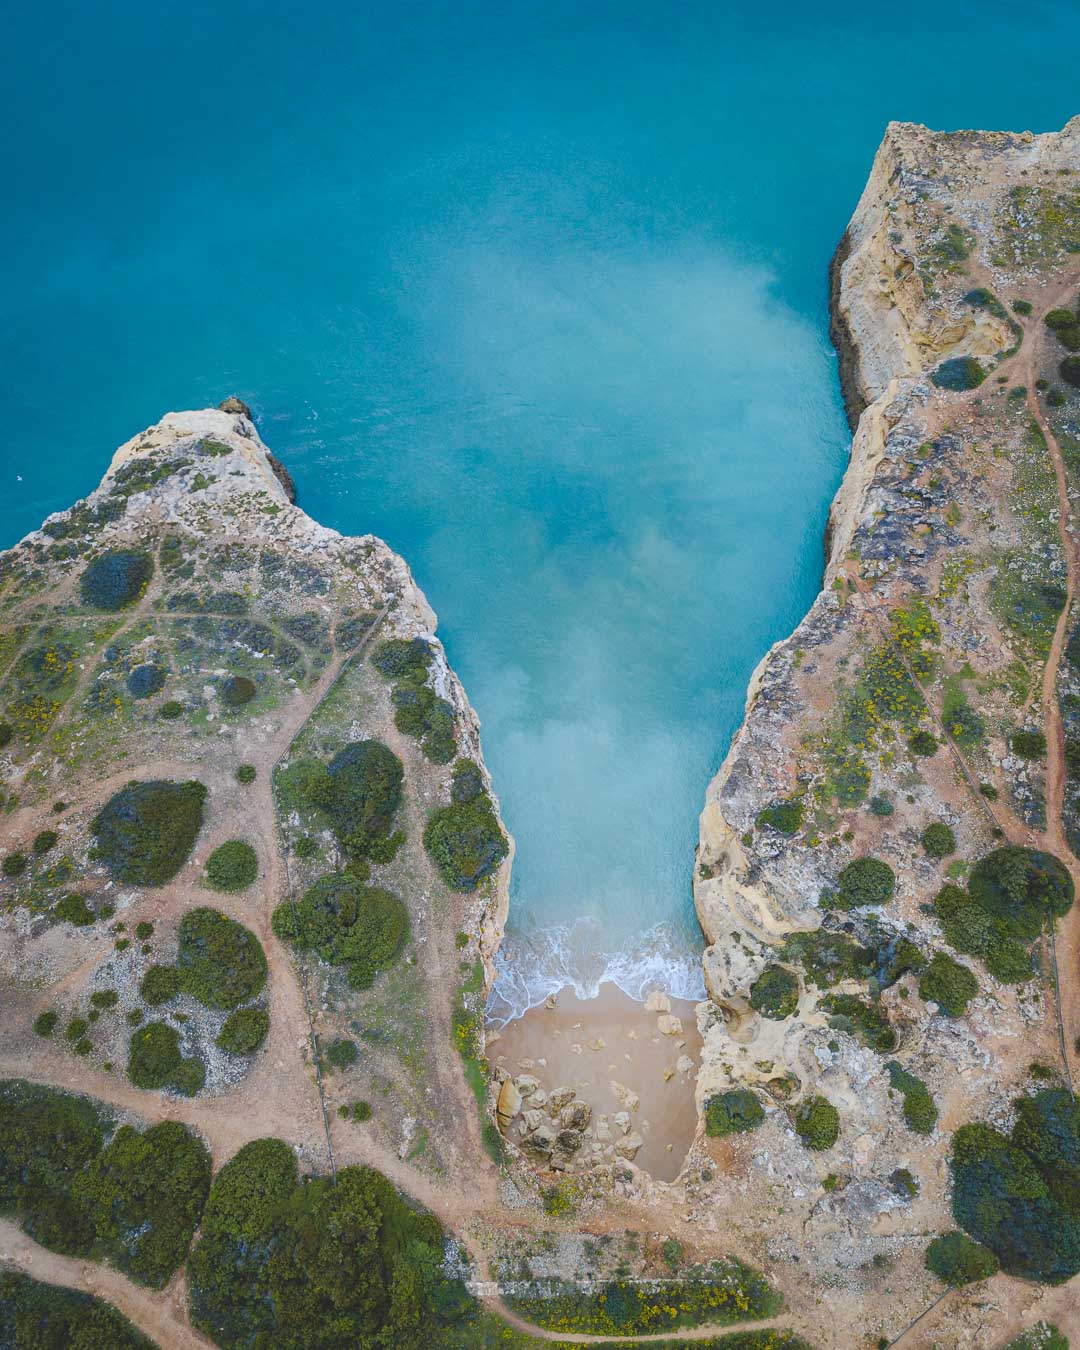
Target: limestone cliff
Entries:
(943, 611)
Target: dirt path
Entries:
(160, 1314)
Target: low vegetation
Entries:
(465, 839)
(866, 881)
(145, 833)
(244, 1031)
(37, 1316)
(775, 992)
(346, 923)
(233, 866)
(959, 373)
(220, 962)
(155, 1061)
(920, 1113)
(948, 984)
(735, 1112)
(418, 710)
(817, 1123)
(116, 579)
(956, 1260)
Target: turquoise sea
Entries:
(535, 291)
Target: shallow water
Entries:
(535, 292)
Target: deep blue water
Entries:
(535, 291)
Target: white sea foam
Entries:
(530, 968)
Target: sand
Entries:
(591, 1044)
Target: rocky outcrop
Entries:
(939, 246)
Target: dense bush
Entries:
(237, 690)
(421, 713)
(403, 659)
(865, 1020)
(116, 579)
(817, 1123)
(956, 1260)
(143, 1196)
(1069, 370)
(44, 841)
(1066, 328)
(145, 832)
(299, 1264)
(171, 710)
(145, 681)
(245, 774)
(47, 1137)
(359, 792)
(220, 962)
(1028, 744)
(244, 1031)
(155, 1061)
(159, 985)
(72, 908)
(36, 1316)
(1019, 1195)
(466, 781)
(938, 840)
(866, 881)
(959, 373)
(969, 928)
(775, 992)
(346, 923)
(881, 806)
(1042, 1336)
(342, 1053)
(1024, 887)
(923, 744)
(920, 1113)
(45, 1023)
(735, 1112)
(465, 842)
(233, 866)
(14, 864)
(784, 816)
(948, 984)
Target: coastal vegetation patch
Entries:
(38, 1316)
(418, 710)
(156, 1061)
(116, 579)
(233, 866)
(220, 962)
(920, 1112)
(358, 795)
(346, 923)
(737, 1111)
(145, 832)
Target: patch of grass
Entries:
(237, 690)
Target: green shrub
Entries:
(1024, 887)
(104, 998)
(359, 792)
(145, 681)
(116, 579)
(155, 1061)
(1017, 1194)
(244, 1031)
(989, 791)
(735, 1112)
(237, 690)
(938, 840)
(342, 1053)
(45, 1023)
(145, 832)
(14, 865)
(783, 816)
(817, 1123)
(72, 908)
(143, 930)
(314, 1263)
(171, 711)
(403, 659)
(920, 1113)
(420, 712)
(1069, 370)
(232, 866)
(958, 373)
(866, 881)
(246, 774)
(467, 781)
(881, 806)
(1042, 1336)
(775, 993)
(904, 1183)
(143, 1196)
(44, 841)
(923, 744)
(948, 984)
(1023, 307)
(305, 847)
(359, 1112)
(7, 732)
(466, 842)
(956, 1260)
(867, 1021)
(1028, 744)
(220, 962)
(76, 1029)
(159, 985)
(346, 923)
(35, 1316)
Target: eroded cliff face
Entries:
(943, 612)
